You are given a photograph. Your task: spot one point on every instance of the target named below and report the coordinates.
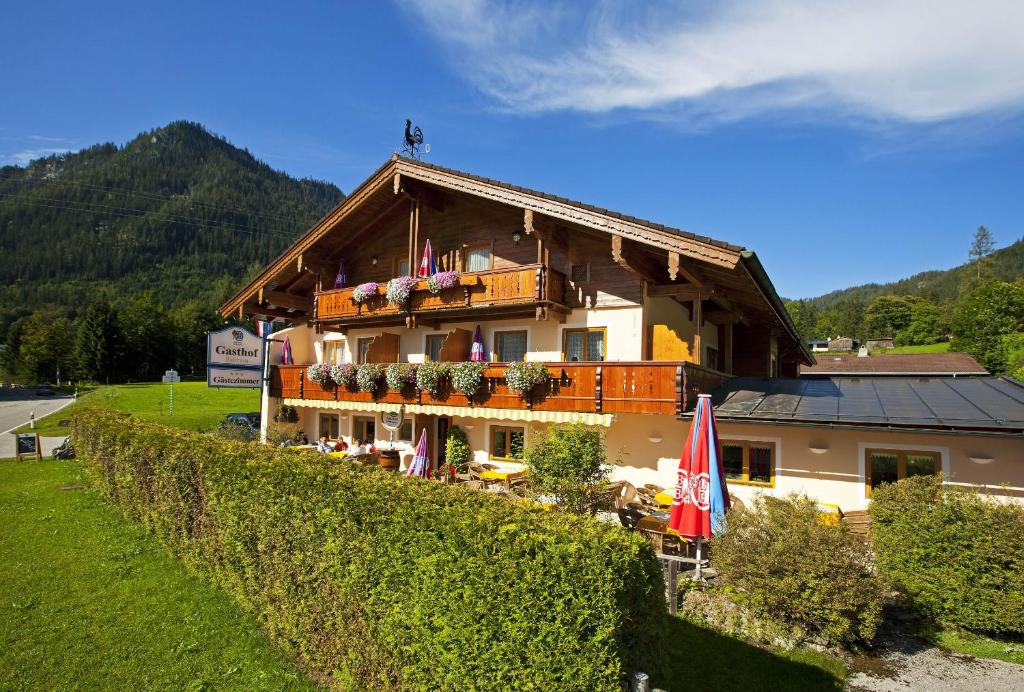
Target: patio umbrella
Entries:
(286, 353)
(419, 464)
(701, 497)
(340, 279)
(427, 265)
(477, 352)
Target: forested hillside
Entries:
(177, 211)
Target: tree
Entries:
(988, 314)
(97, 346)
(45, 346)
(923, 328)
(888, 315)
(981, 247)
(568, 461)
(805, 318)
(850, 318)
(191, 322)
(149, 342)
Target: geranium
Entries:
(430, 377)
(444, 472)
(319, 373)
(523, 376)
(399, 376)
(368, 376)
(344, 375)
(442, 280)
(467, 377)
(364, 292)
(399, 290)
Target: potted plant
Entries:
(400, 290)
(430, 377)
(457, 450)
(400, 376)
(320, 373)
(286, 414)
(363, 292)
(442, 280)
(344, 375)
(368, 376)
(467, 377)
(523, 376)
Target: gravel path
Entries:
(908, 663)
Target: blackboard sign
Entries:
(27, 444)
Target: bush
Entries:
(467, 377)
(363, 292)
(368, 376)
(523, 376)
(400, 376)
(319, 373)
(569, 462)
(457, 451)
(780, 562)
(958, 557)
(377, 581)
(344, 375)
(400, 290)
(430, 377)
(441, 281)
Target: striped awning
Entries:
(524, 415)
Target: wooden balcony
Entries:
(648, 387)
(518, 289)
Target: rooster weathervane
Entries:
(412, 144)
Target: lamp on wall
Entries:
(374, 260)
(654, 438)
(981, 458)
(818, 447)
(516, 237)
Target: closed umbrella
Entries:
(420, 463)
(340, 279)
(286, 353)
(477, 352)
(701, 497)
(427, 265)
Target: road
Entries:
(15, 407)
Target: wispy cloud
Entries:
(26, 156)
(913, 61)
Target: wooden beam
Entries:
(286, 300)
(273, 312)
(628, 255)
(677, 267)
(431, 197)
(678, 291)
(698, 322)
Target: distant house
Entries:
(923, 364)
(818, 346)
(842, 343)
(881, 342)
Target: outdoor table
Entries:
(664, 499)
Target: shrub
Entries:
(467, 377)
(400, 289)
(523, 376)
(376, 581)
(344, 375)
(430, 377)
(457, 451)
(780, 562)
(569, 462)
(364, 292)
(319, 373)
(441, 281)
(286, 414)
(368, 376)
(400, 376)
(958, 557)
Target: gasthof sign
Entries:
(234, 347)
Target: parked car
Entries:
(248, 423)
(44, 389)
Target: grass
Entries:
(977, 645)
(942, 347)
(91, 601)
(197, 407)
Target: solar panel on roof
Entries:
(1007, 387)
(995, 404)
(945, 402)
(858, 401)
(900, 403)
(821, 399)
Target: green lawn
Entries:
(942, 347)
(90, 601)
(196, 406)
(977, 645)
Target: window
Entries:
(583, 344)
(330, 425)
(402, 267)
(507, 442)
(433, 347)
(579, 273)
(478, 258)
(891, 465)
(711, 357)
(510, 346)
(333, 351)
(364, 428)
(749, 462)
(405, 432)
(363, 349)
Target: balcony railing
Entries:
(648, 387)
(525, 286)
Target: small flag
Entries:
(264, 328)
(477, 352)
(427, 265)
(340, 279)
(286, 353)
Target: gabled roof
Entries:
(981, 405)
(933, 364)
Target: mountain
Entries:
(939, 286)
(178, 211)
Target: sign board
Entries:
(172, 377)
(27, 444)
(392, 420)
(239, 378)
(234, 347)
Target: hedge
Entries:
(958, 557)
(376, 581)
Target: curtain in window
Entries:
(511, 346)
(478, 259)
(574, 346)
(732, 461)
(761, 464)
(595, 345)
(434, 344)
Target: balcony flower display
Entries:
(368, 376)
(442, 280)
(467, 377)
(364, 292)
(523, 376)
(320, 373)
(400, 289)
(400, 376)
(430, 377)
(344, 375)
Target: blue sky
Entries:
(845, 142)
